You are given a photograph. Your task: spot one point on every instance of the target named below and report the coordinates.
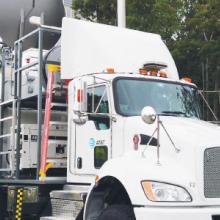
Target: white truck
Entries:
(137, 147)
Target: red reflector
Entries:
(79, 95)
(136, 140)
(67, 81)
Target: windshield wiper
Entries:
(173, 113)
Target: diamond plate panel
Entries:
(66, 208)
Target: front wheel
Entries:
(117, 212)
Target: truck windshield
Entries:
(167, 98)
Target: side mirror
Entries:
(80, 96)
(148, 115)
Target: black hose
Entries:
(46, 62)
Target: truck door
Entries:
(93, 139)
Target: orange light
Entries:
(110, 70)
(154, 73)
(97, 179)
(147, 187)
(163, 74)
(143, 72)
(187, 79)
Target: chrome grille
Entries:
(212, 172)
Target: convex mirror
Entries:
(148, 115)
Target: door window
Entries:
(97, 100)
(98, 103)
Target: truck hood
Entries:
(185, 168)
(185, 132)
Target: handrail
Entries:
(18, 85)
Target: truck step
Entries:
(58, 123)
(68, 202)
(55, 104)
(57, 218)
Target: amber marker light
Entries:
(97, 178)
(154, 73)
(163, 74)
(143, 72)
(110, 70)
(187, 79)
(147, 187)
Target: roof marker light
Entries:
(143, 72)
(109, 70)
(187, 79)
(154, 73)
(163, 74)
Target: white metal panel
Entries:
(90, 47)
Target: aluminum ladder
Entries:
(7, 151)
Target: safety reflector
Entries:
(136, 140)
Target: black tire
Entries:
(117, 212)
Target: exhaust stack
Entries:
(121, 8)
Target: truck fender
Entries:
(111, 187)
(106, 191)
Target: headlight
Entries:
(163, 192)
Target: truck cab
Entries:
(135, 133)
(111, 121)
(113, 147)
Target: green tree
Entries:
(101, 11)
(190, 28)
(197, 50)
(160, 17)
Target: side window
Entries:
(98, 103)
(97, 100)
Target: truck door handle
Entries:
(79, 162)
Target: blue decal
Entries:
(92, 142)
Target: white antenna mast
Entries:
(121, 6)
